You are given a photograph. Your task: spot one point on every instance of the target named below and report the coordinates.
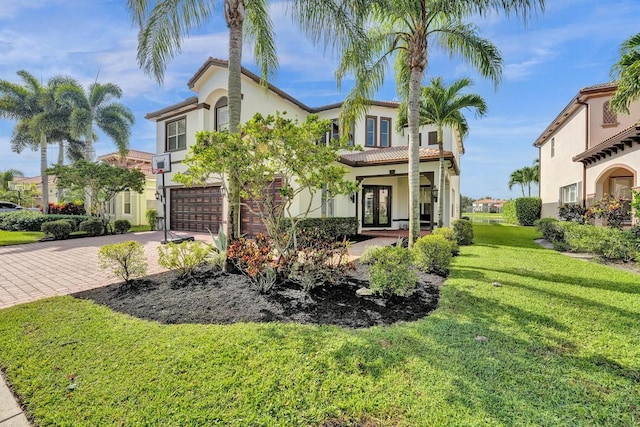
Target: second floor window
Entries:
(370, 136)
(177, 135)
(222, 114)
(385, 132)
(433, 138)
(608, 116)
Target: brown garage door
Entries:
(196, 209)
(251, 224)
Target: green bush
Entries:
(572, 212)
(550, 229)
(463, 232)
(609, 243)
(449, 235)
(92, 226)
(152, 218)
(370, 254)
(121, 225)
(58, 229)
(184, 257)
(509, 212)
(433, 254)
(32, 221)
(528, 210)
(392, 273)
(126, 259)
(331, 227)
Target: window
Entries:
(608, 116)
(419, 139)
(352, 133)
(620, 187)
(327, 203)
(385, 132)
(335, 130)
(222, 114)
(126, 202)
(569, 194)
(177, 135)
(433, 138)
(370, 135)
(553, 147)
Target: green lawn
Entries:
(19, 237)
(484, 217)
(563, 349)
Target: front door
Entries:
(376, 206)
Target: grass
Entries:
(139, 228)
(19, 237)
(484, 216)
(563, 349)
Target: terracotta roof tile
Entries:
(388, 155)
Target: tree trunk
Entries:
(43, 173)
(413, 121)
(442, 189)
(60, 162)
(234, 13)
(88, 156)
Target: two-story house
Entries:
(381, 168)
(588, 151)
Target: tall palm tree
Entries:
(406, 29)
(40, 118)
(164, 23)
(524, 177)
(442, 106)
(517, 177)
(627, 72)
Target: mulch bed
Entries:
(213, 297)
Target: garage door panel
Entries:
(196, 209)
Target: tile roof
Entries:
(131, 154)
(34, 179)
(619, 141)
(378, 156)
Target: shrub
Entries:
(449, 236)
(32, 221)
(370, 254)
(509, 212)
(255, 260)
(184, 257)
(609, 243)
(612, 210)
(126, 259)
(572, 212)
(550, 229)
(152, 218)
(66, 208)
(463, 232)
(433, 254)
(528, 210)
(92, 226)
(392, 273)
(58, 229)
(329, 227)
(121, 225)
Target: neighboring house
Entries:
(28, 185)
(130, 205)
(381, 168)
(488, 205)
(588, 151)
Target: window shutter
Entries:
(560, 196)
(579, 198)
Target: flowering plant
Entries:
(613, 210)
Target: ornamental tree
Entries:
(101, 181)
(268, 150)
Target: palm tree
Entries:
(525, 176)
(442, 106)
(627, 72)
(517, 177)
(406, 29)
(41, 119)
(164, 23)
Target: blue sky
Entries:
(572, 45)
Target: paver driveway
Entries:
(39, 270)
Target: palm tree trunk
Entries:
(88, 156)
(60, 162)
(441, 176)
(413, 121)
(43, 173)
(234, 13)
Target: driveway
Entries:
(44, 269)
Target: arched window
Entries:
(608, 116)
(222, 114)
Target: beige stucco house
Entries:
(588, 151)
(31, 187)
(131, 205)
(381, 167)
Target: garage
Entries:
(196, 209)
(251, 224)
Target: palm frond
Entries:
(259, 31)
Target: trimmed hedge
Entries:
(121, 225)
(509, 212)
(391, 274)
(32, 221)
(92, 226)
(463, 232)
(528, 210)
(57, 229)
(432, 254)
(331, 227)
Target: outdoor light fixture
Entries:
(434, 193)
(352, 197)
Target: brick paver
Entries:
(44, 269)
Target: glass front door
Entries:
(376, 206)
